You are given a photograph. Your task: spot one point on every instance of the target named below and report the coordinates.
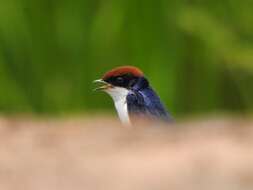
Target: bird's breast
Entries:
(121, 107)
(119, 95)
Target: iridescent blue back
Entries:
(142, 100)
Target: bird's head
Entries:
(118, 81)
(132, 94)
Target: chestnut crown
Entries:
(124, 76)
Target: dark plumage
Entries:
(142, 100)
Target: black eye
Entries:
(119, 80)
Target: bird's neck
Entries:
(141, 84)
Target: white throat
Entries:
(119, 95)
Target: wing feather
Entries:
(146, 103)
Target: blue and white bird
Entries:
(132, 95)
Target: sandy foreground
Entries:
(98, 153)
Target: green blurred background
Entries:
(198, 55)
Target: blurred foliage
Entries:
(198, 55)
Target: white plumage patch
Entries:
(119, 95)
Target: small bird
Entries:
(132, 95)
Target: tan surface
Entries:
(100, 154)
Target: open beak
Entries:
(104, 85)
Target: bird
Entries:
(132, 95)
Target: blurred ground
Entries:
(100, 154)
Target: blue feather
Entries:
(142, 100)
